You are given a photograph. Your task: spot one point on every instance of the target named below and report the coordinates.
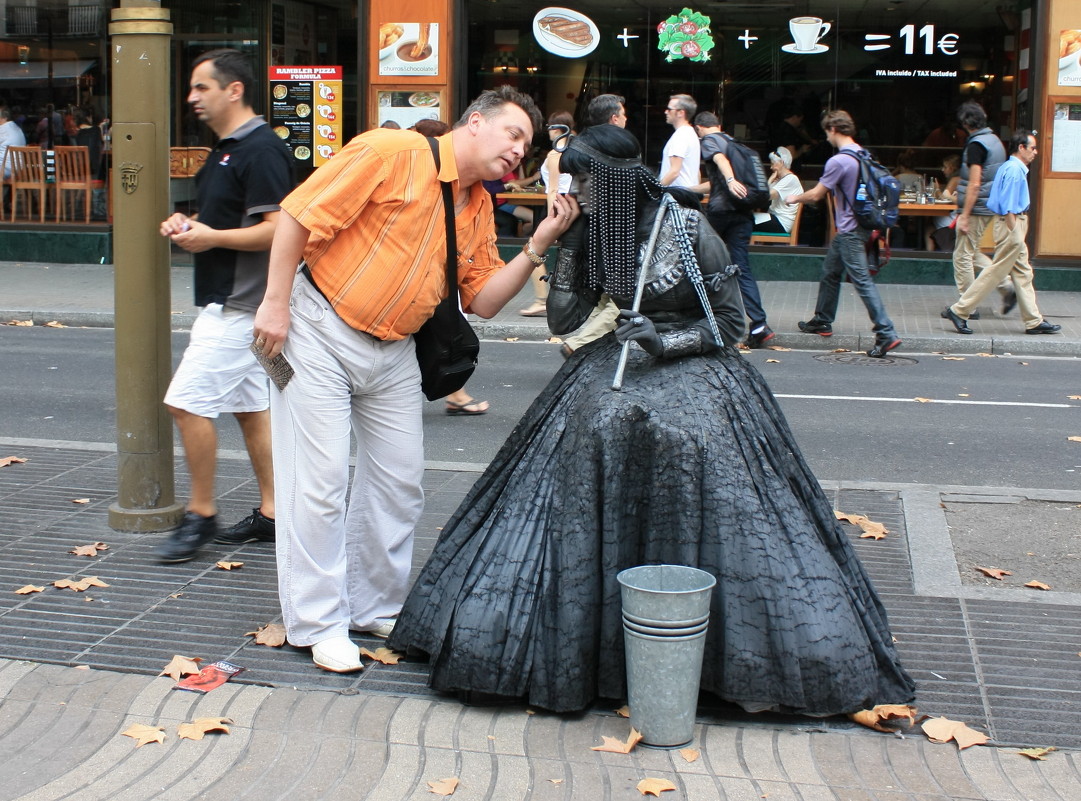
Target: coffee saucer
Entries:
(791, 48)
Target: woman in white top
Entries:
(782, 182)
(560, 123)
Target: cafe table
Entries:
(522, 198)
(921, 211)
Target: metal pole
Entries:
(141, 34)
(651, 245)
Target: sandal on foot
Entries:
(469, 407)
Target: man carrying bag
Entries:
(370, 226)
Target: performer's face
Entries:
(581, 188)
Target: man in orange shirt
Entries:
(370, 228)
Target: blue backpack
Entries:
(878, 194)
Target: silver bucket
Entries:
(664, 667)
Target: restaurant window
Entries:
(53, 60)
(901, 72)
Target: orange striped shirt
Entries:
(377, 241)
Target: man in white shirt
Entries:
(11, 135)
(682, 153)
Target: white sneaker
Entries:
(338, 655)
(383, 630)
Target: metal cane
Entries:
(617, 381)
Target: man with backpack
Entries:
(847, 253)
(736, 189)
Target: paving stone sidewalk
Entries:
(1006, 664)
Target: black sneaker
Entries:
(760, 337)
(815, 327)
(195, 531)
(256, 527)
(1044, 328)
(974, 316)
(882, 347)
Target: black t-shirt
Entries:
(975, 153)
(246, 175)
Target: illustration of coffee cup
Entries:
(806, 32)
(325, 151)
(325, 111)
(326, 132)
(325, 92)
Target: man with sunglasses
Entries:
(682, 153)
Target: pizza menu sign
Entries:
(306, 111)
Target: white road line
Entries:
(960, 402)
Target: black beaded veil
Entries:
(621, 186)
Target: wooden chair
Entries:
(791, 238)
(27, 176)
(73, 175)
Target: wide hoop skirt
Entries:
(692, 463)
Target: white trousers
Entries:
(344, 567)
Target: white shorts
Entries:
(218, 373)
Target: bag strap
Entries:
(448, 209)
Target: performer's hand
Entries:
(631, 325)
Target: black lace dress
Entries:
(691, 463)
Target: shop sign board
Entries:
(408, 48)
(408, 108)
(306, 111)
(1069, 58)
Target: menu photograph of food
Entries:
(306, 111)
(1069, 58)
(565, 32)
(407, 108)
(408, 48)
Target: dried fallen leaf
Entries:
(870, 528)
(89, 550)
(1037, 753)
(1074, 397)
(200, 726)
(80, 586)
(924, 400)
(6, 460)
(444, 786)
(1037, 585)
(953, 358)
(80, 500)
(690, 754)
(885, 713)
(840, 350)
(144, 734)
(23, 323)
(228, 565)
(382, 655)
(54, 324)
(180, 666)
(986, 355)
(778, 347)
(1073, 439)
(994, 572)
(511, 339)
(81, 667)
(942, 730)
(556, 781)
(614, 745)
(773, 361)
(1023, 364)
(29, 588)
(624, 711)
(655, 786)
(272, 634)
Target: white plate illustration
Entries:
(565, 32)
(791, 48)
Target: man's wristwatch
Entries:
(532, 255)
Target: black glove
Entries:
(632, 325)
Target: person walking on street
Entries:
(732, 224)
(1009, 201)
(682, 153)
(370, 227)
(847, 254)
(238, 191)
(980, 161)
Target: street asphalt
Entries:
(78, 669)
